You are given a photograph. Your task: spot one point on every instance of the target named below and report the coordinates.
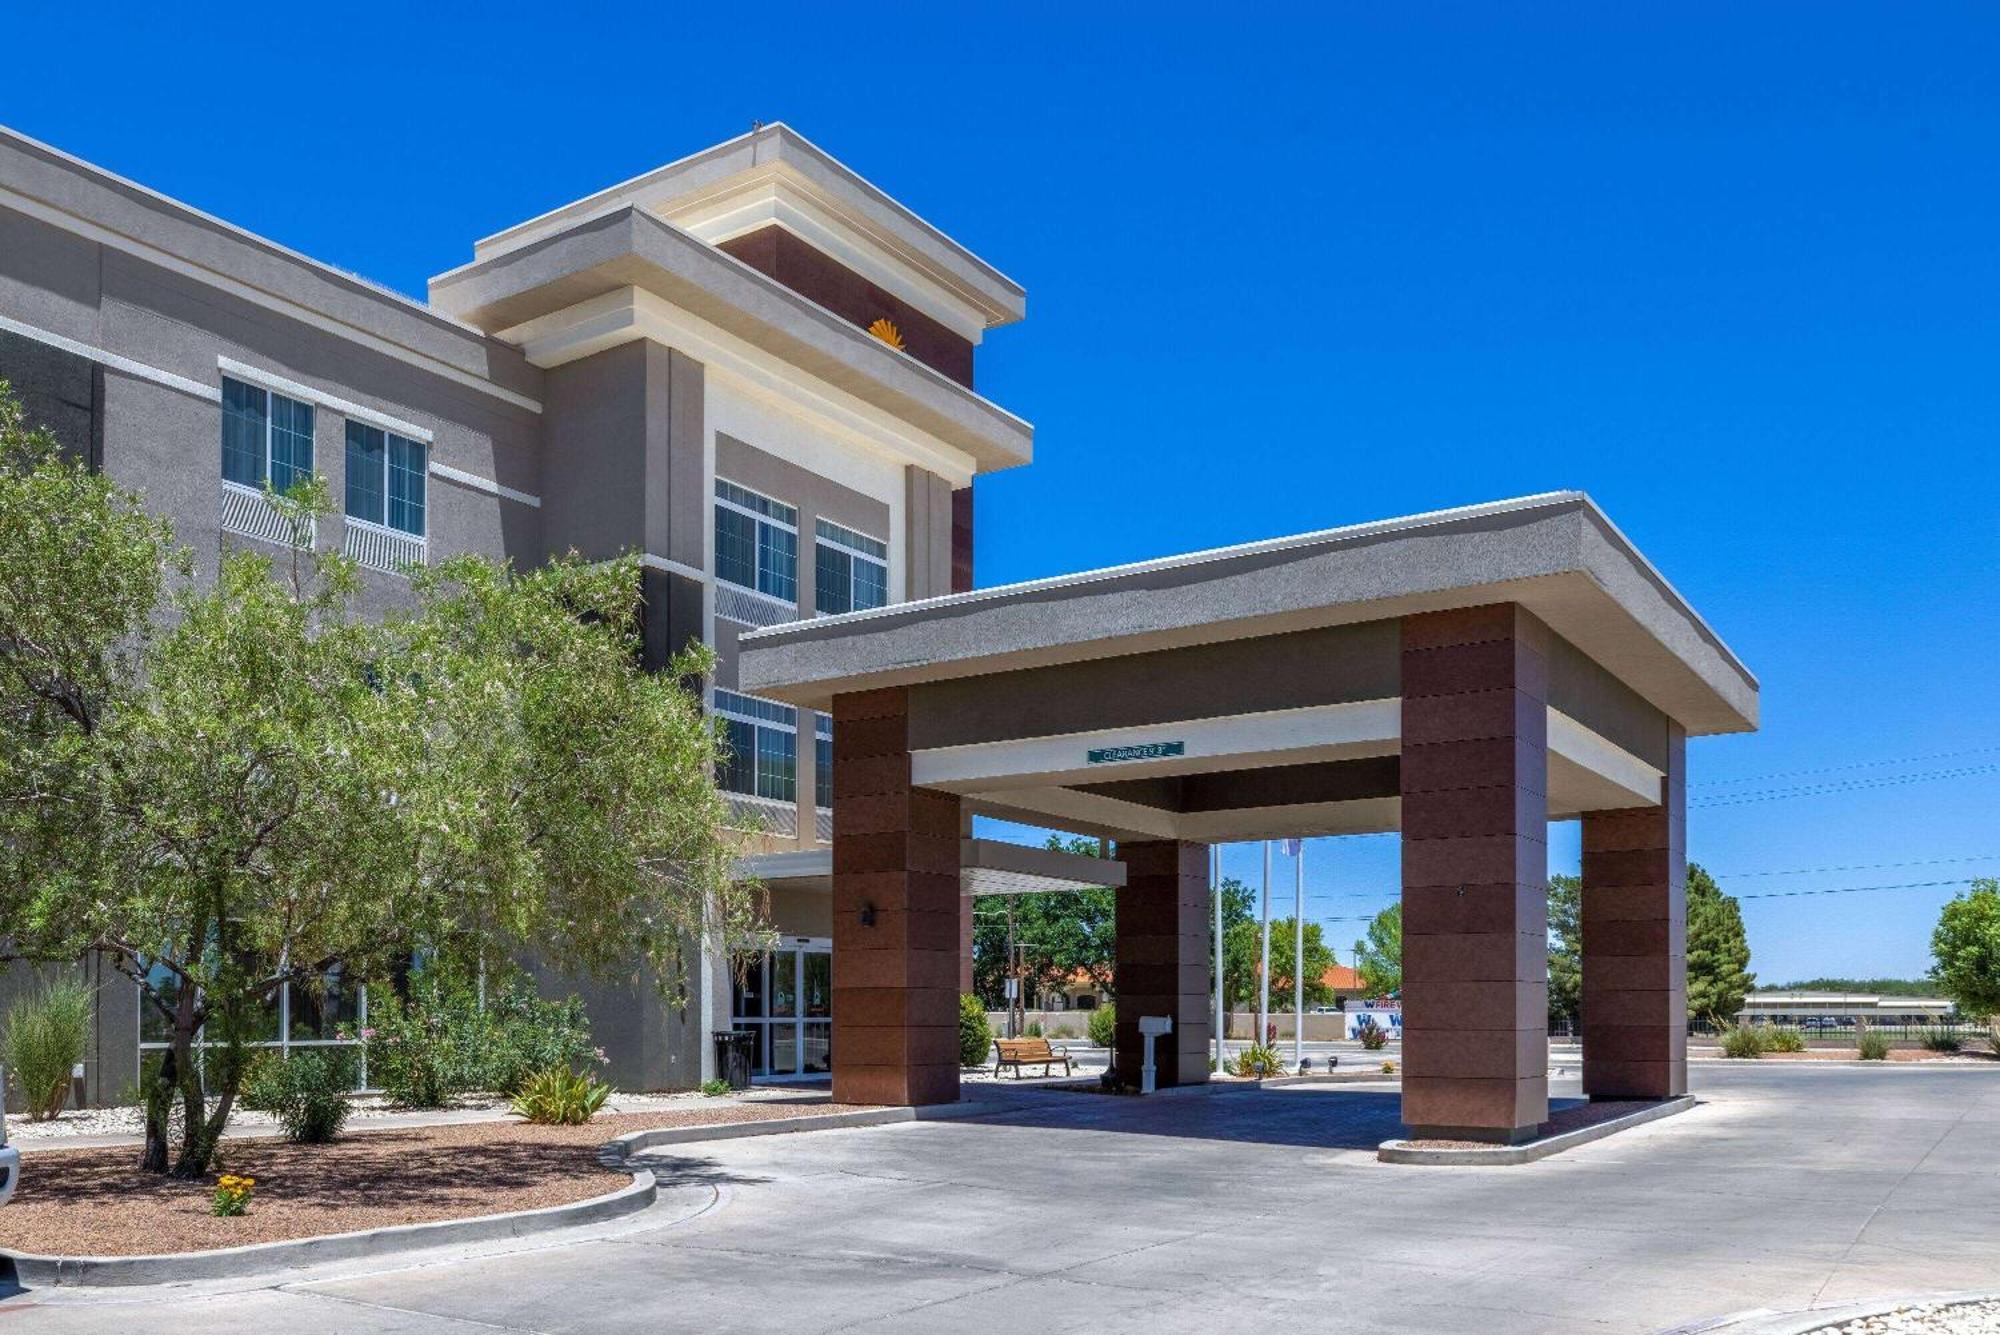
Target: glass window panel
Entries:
(823, 771)
(750, 707)
(366, 452)
(833, 580)
(817, 988)
(784, 983)
(243, 423)
(406, 485)
(737, 772)
(861, 543)
(748, 987)
(735, 547)
(778, 562)
(291, 442)
(871, 584)
(750, 500)
(784, 1049)
(777, 764)
(153, 1026)
(816, 1056)
(324, 1011)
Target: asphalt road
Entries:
(1789, 1186)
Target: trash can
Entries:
(735, 1056)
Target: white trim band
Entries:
(673, 567)
(112, 361)
(485, 484)
(345, 407)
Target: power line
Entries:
(1850, 889)
(1853, 866)
(1848, 786)
(1857, 764)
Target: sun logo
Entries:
(885, 329)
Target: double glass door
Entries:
(785, 996)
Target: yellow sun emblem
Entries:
(885, 329)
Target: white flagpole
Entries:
(1215, 892)
(1264, 982)
(1299, 954)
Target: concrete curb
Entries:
(1763, 1321)
(34, 1271)
(1401, 1151)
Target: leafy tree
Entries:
(1888, 987)
(271, 790)
(1063, 934)
(1718, 952)
(1565, 950)
(1966, 946)
(1243, 942)
(1379, 958)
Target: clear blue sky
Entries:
(1735, 274)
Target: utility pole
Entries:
(1013, 983)
(1264, 966)
(1298, 952)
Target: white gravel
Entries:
(1975, 1318)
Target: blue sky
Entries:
(1732, 272)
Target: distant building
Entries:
(1842, 1008)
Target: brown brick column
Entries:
(1635, 942)
(1163, 922)
(1475, 873)
(895, 913)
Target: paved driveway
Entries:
(1243, 1210)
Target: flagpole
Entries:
(1215, 892)
(1298, 953)
(1264, 965)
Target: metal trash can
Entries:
(735, 1056)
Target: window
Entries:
(822, 761)
(756, 542)
(385, 478)
(265, 437)
(852, 570)
(763, 747)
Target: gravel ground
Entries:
(94, 1202)
(1981, 1318)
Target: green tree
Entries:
(1242, 949)
(1565, 951)
(1061, 934)
(1379, 957)
(1718, 952)
(1966, 948)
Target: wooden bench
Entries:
(1019, 1052)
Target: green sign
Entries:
(1111, 755)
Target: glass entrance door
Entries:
(785, 996)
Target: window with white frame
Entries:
(266, 437)
(385, 478)
(331, 1013)
(851, 569)
(822, 761)
(756, 542)
(763, 743)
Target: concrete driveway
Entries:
(1790, 1186)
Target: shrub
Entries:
(1035, 1029)
(1874, 1046)
(46, 1036)
(1370, 1034)
(519, 1035)
(306, 1092)
(1103, 1025)
(560, 1097)
(1742, 1041)
(714, 1088)
(417, 1051)
(441, 1043)
(975, 1035)
(1062, 1031)
(1783, 1040)
(1940, 1039)
(232, 1196)
(1258, 1061)
(1388, 1068)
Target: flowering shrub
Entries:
(441, 1043)
(306, 1092)
(1370, 1034)
(232, 1195)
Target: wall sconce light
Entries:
(867, 915)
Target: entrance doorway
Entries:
(785, 997)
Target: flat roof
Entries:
(1556, 554)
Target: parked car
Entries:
(10, 1159)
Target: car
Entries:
(10, 1159)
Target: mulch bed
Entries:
(97, 1203)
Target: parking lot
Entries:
(1789, 1186)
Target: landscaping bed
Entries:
(95, 1202)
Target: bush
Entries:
(975, 1035)
(1035, 1029)
(560, 1097)
(232, 1196)
(1874, 1046)
(1370, 1035)
(440, 1044)
(1103, 1025)
(714, 1088)
(1742, 1041)
(521, 1036)
(306, 1092)
(1941, 1039)
(417, 1051)
(1783, 1040)
(1258, 1061)
(45, 1037)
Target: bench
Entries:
(1019, 1052)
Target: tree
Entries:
(1565, 951)
(1243, 942)
(272, 791)
(1063, 934)
(1966, 948)
(1379, 958)
(1718, 952)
